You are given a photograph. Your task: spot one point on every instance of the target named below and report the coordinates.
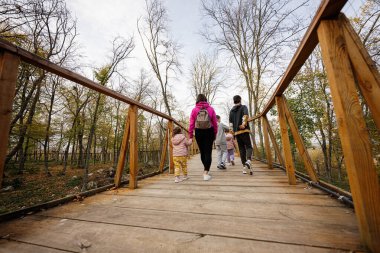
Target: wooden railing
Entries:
(347, 64)
(346, 61)
(10, 57)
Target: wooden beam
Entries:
(274, 143)
(164, 151)
(290, 171)
(123, 151)
(171, 162)
(72, 76)
(133, 147)
(299, 143)
(268, 152)
(8, 77)
(353, 133)
(364, 67)
(328, 9)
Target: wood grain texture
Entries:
(171, 163)
(364, 67)
(299, 143)
(353, 133)
(123, 151)
(268, 152)
(8, 76)
(194, 216)
(289, 165)
(133, 147)
(164, 151)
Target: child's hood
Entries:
(178, 138)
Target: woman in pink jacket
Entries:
(180, 144)
(203, 121)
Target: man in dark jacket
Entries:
(239, 125)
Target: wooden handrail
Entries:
(49, 66)
(327, 10)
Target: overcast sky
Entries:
(100, 21)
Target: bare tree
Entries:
(120, 51)
(205, 76)
(253, 33)
(48, 30)
(162, 52)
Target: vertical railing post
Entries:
(8, 78)
(264, 122)
(123, 152)
(300, 144)
(285, 141)
(171, 162)
(133, 148)
(164, 150)
(363, 179)
(274, 143)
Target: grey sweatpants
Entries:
(221, 152)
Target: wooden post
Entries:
(171, 163)
(164, 151)
(274, 143)
(8, 78)
(268, 152)
(353, 133)
(299, 143)
(365, 69)
(123, 151)
(285, 141)
(133, 148)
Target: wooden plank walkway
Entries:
(231, 213)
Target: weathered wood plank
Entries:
(123, 151)
(8, 76)
(70, 233)
(133, 147)
(353, 133)
(322, 235)
(289, 165)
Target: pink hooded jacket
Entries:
(180, 144)
(211, 114)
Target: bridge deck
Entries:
(231, 213)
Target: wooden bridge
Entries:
(231, 213)
(269, 212)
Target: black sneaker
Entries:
(223, 166)
(248, 165)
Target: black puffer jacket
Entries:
(236, 117)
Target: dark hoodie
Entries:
(239, 113)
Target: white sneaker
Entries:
(244, 170)
(177, 180)
(248, 165)
(206, 177)
(185, 178)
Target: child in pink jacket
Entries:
(180, 152)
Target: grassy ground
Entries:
(34, 187)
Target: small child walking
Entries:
(230, 147)
(221, 144)
(180, 153)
